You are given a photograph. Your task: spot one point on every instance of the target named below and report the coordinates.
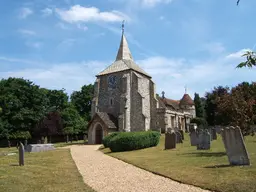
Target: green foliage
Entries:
(71, 118)
(199, 121)
(107, 139)
(211, 104)
(128, 141)
(250, 60)
(199, 106)
(82, 100)
(22, 104)
(20, 135)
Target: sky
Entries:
(65, 43)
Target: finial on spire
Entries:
(185, 89)
(123, 26)
(163, 94)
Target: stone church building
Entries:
(125, 100)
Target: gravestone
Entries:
(193, 134)
(204, 140)
(234, 144)
(39, 147)
(170, 139)
(192, 127)
(178, 135)
(218, 129)
(182, 134)
(213, 133)
(21, 154)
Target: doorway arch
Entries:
(98, 134)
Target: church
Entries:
(125, 100)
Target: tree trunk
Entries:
(71, 138)
(50, 139)
(76, 138)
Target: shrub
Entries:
(128, 141)
(199, 121)
(107, 139)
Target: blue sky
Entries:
(65, 43)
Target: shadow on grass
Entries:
(14, 165)
(219, 166)
(206, 154)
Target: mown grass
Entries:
(51, 171)
(208, 169)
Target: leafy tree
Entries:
(82, 100)
(73, 123)
(58, 99)
(211, 104)
(198, 106)
(22, 104)
(238, 108)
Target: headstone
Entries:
(204, 140)
(213, 133)
(178, 135)
(170, 139)
(234, 144)
(192, 127)
(182, 134)
(39, 147)
(218, 129)
(193, 138)
(21, 154)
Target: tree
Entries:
(198, 106)
(211, 104)
(22, 104)
(238, 108)
(250, 60)
(73, 123)
(82, 100)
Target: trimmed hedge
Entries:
(128, 141)
(107, 139)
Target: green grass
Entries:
(63, 144)
(208, 168)
(51, 171)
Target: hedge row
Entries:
(128, 141)
(107, 139)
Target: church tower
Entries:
(124, 98)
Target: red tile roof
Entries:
(186, 100)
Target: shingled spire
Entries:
(124, 52)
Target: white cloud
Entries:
(25, 12)
(169, 74)
(82, 27)
(79, 13)
(27, 32)
(47, 12)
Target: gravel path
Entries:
(106, 174)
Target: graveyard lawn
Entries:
(51, 171)
(207, 169)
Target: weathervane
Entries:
(123, 26)
(163, 94)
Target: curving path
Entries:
(106, 174)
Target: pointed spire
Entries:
(124, 52)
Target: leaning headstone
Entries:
(39, 147)
(21, 154)
(234, 144)
(170, 140)
(204, 140)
